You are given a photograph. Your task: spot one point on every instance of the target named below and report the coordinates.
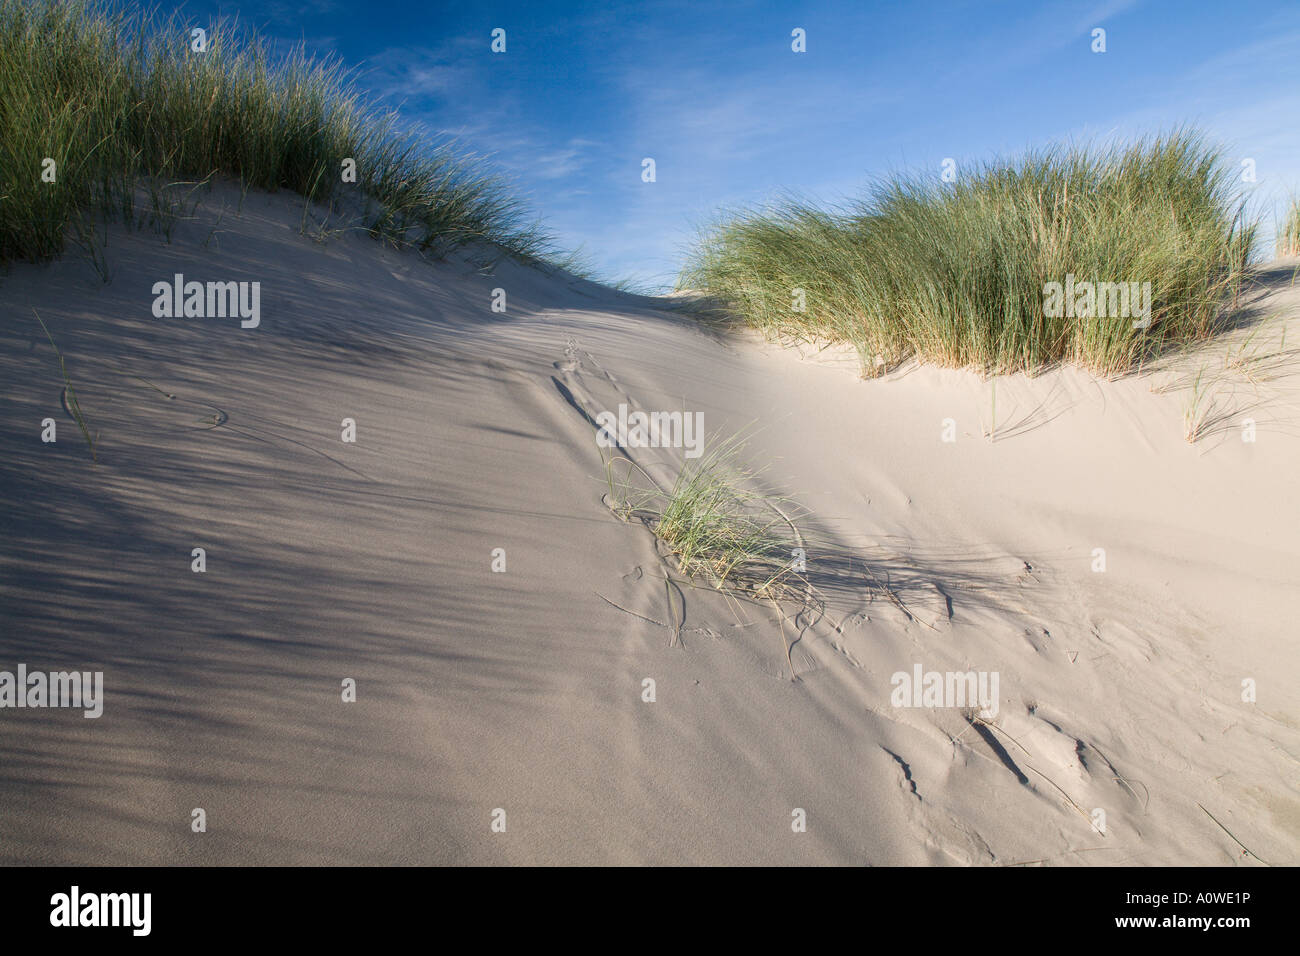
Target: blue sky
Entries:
(731, 115)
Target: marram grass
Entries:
(1288, 237)
(710, 521)
(114, 97)
(955, 273)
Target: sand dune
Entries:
(1119, 690)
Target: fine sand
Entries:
(1118, 690)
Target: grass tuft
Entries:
(713, 526)
(955, 274)
(116, 97)
(1288, 237)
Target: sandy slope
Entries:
(522, 690)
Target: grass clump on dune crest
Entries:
(114, 98)
(1288, 237)
(956, 273)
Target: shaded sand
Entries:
(522, 690)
